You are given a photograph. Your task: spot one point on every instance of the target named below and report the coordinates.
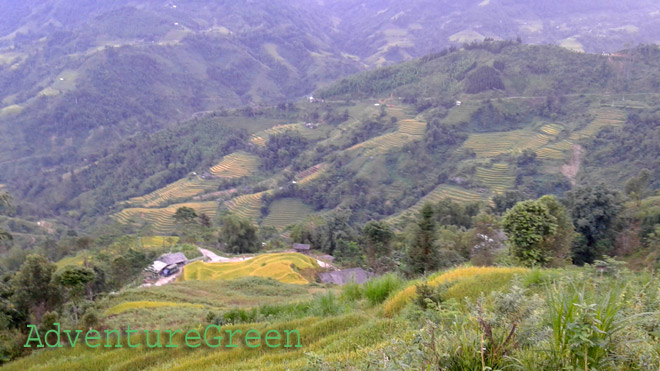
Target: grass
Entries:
(284, 267)
(571, 313)
(285, 212)
(491, 279)
(133, 305)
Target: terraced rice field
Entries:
(284, 267)
(236, 165)
(438, 194)
(310, 174)
(561, 150)
(397, 112)
(285, 212)
(412, 127)
(552, 129)
(556, 151)
(161, 219)
(177, 191)
(246, 206)
(498, 178)
(494, 144)
(382, 144)
(150, 242)
(261, 137)
(604, 117)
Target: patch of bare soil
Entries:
(571, 169)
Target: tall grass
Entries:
(378, 289)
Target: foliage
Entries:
(239, 236)
(529, 225)
(594, 211)
(421, 254)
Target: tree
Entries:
(421, 255)
(559, 245)
(238, 235)
(34, 289)
(594, 211)
(378, 245)
(486, 238)
(529, 225)
(5, 205)
(504, 201)
(73, 279)
(636, 187)
(185, 215)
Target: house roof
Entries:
(174, 258)
(301, 246)
(158, 266)
(357, 275)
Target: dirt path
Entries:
(214, 258)
(571, 169)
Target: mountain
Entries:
(468, 124)
(87, 86)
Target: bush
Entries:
(378, 289)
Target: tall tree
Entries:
(594, 211)
(529, 225)
(34, 289)
(421, 255)
(5, 205)
(378, 246)
(73, 279)
(239, 235)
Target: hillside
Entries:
(355, 327)
(78, 78)
(404, 139)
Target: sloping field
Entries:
(552, 129)
(562, 150)
(493, 144)
(284, 267)
(398, 301)
(311, 173)
(498, 178)
(261, 137)
(604, 117)
(382, 144)
(236, 165)
(438, 194)
(412, 127)
(286, 211)
(161, 219)
(246, 206)
(150, 242)
(338, 338)
(177, 191)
